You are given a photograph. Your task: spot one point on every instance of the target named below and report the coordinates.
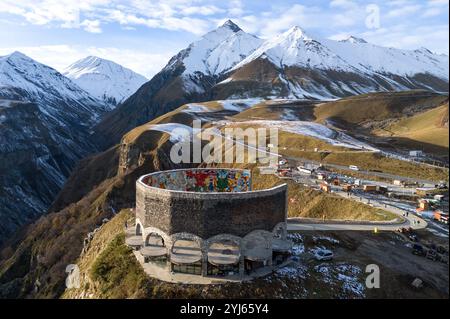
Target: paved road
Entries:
(411, 220)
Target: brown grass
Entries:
(309, 203)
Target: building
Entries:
(398, 182)
(370, 188)
(208, 223)
(304, 171)
(423, 205)
(428, 191)
(415, 153)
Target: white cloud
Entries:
(438, 3)
(164, 14)
(236, 8)
(404, 37)
(403, 11)
(432, 12)
(92, 26)
(343, 4)
(202, 10)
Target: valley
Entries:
(362, 147)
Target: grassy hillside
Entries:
(377, 106)
(430, 127)
(374, 161)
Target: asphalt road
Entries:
(411, 220)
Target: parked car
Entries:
(323, 255)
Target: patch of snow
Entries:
(289, 115)
(347, 276)
(298, 247)
(293, 272)
(196, 108)
(239, 105)
(311, 129)
(227, 80)
(178, 132)
(325, 238)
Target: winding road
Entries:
(409, 220)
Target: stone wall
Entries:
(210, 214)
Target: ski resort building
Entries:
(205, 225)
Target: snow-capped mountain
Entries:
(38, 82)
(45, 123)
(189, 76)
(229, 63)
(104, 79)
(296, 48)
(309, 67)
(217, 51)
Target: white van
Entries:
(354, 167)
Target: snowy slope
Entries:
(390, 60)
(17, 71)
(217, 51)
(45, 122)
(104, 79)
(296, 48)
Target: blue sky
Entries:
(144, 34)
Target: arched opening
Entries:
(223, 258)
(257, 250)
(155, 250)
(281, 247)
(186, 256)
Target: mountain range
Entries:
(50, 120)
(229, 63)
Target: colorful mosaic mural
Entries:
(202, 180)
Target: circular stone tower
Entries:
(209, 223)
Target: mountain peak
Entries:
(424, 50)
(296, 33)
(104, 79)
(91, 61)
(231, 25)
(353, 39)
(18, 55)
